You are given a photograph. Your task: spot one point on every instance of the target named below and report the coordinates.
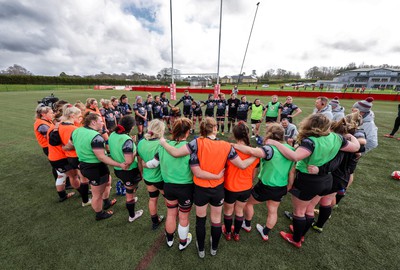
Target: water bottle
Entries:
(118, 187)
(123, 189)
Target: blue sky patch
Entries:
(147, 16)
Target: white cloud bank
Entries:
(113, 36)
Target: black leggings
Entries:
(396, 125)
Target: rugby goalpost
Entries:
(335, 87)
(173, 85)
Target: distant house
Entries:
(227, 80)
(198, 81)
(245, 79)
(388, 78)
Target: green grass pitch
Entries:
(38, 232)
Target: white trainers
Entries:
(246, 228)
(253, 136)
(260, 229)
(202, 254)
(89, 202)
(138, 214)
(169, 243)
(213, 252)
(188, 240)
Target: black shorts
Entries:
(338, 184)
(139, 121)
(262, 193)
(130, 178)
(255, 121)
(73, 162)
(158, 116)
(158, 185)
(221, 113)
(242, 118)
(290, 119)
(221, 118)
(149, 116)
(270, 119)
(97, 173)
(181, 192)
(198, 113)
(231, 118)
(241, 196)
(214, 196)
(61, 165)
(209, 114)
(187, 112)
(307, 186)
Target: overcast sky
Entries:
(113, 36)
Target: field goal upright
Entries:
(199, 80)
(336, 87)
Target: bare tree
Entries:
(16, 70)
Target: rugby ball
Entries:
(396, 175)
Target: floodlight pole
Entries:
(241, 68)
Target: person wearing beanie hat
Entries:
(364, 106)
(322, 106)
(337, 110)
(396, 125)
(369, 127)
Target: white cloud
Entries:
(86, 37)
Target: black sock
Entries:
(84, 191)
(324, 214)
(228, 223)
(98, 214)
(339, 197)
(54, 172)
(229, 127)
(200, 231)
(62, 194)
(131, 208)
(67, 182)
(238, 224)
(266, 230)
(309, 221)
(299, 223)
(170, 236)
(106, 202)
(183, 242)
(215, 234)
(222, 128)
(247, 222)
(218, 127)
(154, 219)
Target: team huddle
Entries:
(314, 162)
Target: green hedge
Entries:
(25, 79)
